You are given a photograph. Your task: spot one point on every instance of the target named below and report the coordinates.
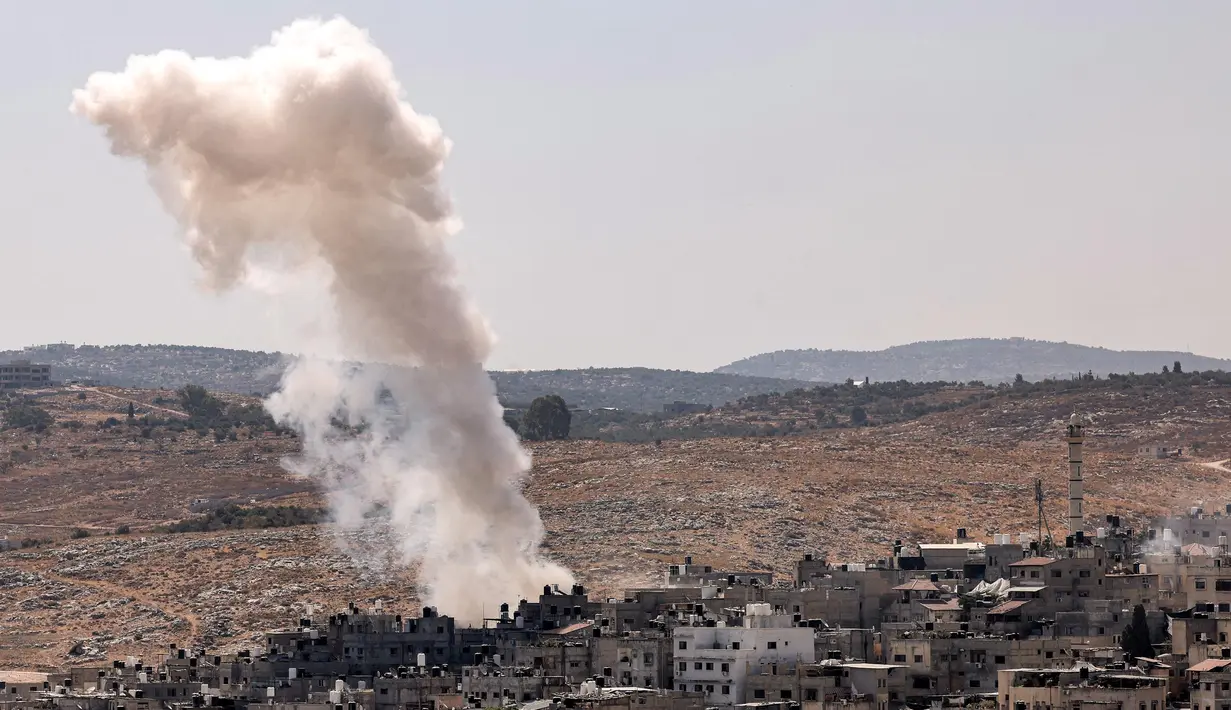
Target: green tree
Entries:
(132, 413)
(547, 418)
(199, 403)
(1019, 380)
(1176, 368)
(859, 417)
(22, 415)
(1135, 641)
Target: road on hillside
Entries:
(95, 390)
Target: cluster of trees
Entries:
(234, 517)
(24, 414)
(207, 413)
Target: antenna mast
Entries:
(1045, 543)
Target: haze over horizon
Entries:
(676, 186)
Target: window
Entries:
(918, 658)
(1222, 585)
(709, 666)
(1034, 573)
(1084, 573)
(709, 688)
(1199, 583)
(899, 658)
(735, 645)
(683, 645)
(772, 644)
(683, 687)
(999, 659)
(1055, 573)
(1226, 686)
(697, 688)
(649, 659)
(726, 690)
(1049, 654)
(759, 693)
(726, 668)
(974, 683)
(696, 666)
(784, 694)
(810, 694)
(384, 691)
(683, 666)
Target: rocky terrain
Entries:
(614, 512)
(976, 359)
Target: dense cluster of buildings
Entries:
(1014, 623)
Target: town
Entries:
(1096, 615)
(752, 385)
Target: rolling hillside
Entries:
(987, 360)
(637, 389)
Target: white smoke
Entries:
(305, 154)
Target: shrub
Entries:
(79, 533)
(233, 517)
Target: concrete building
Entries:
(22, 685)
(714, 659)
(1210, 684)
(877, 686)
(490, 685)
(955, 664)
(22, 374)
(1082, 687)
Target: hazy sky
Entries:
(680, 184)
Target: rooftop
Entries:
(1008, 607)
(1210, 664)
(1034, 562)
(918, 585)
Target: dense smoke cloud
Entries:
(306, 153)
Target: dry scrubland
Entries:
(614, 512)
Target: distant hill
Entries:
(639, 389)
(976, 359)
(636, 389)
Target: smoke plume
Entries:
(306, 154)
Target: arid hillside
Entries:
(614, 512)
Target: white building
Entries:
(714, 659)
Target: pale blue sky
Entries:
(680, 184)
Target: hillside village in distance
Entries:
(1100, 612)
